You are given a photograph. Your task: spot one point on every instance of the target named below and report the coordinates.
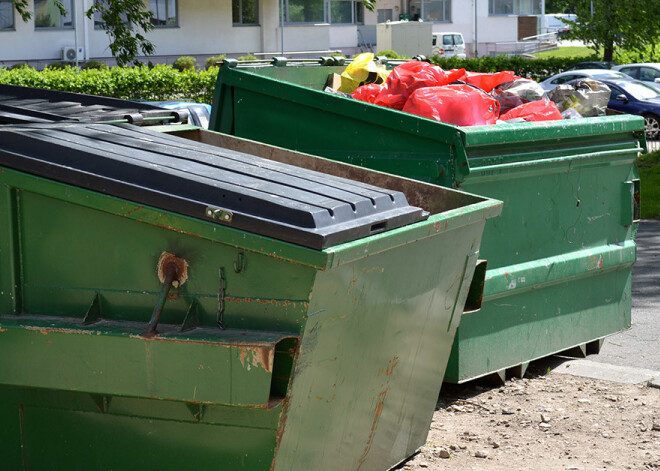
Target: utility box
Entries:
(408, 38)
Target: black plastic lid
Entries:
(23, 105)
(273, 199)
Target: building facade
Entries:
(236, 27)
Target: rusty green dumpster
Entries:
(559, 257)
(168, 304)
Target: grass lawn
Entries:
(568, 51)
(649, 175)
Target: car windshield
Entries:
(639, 90)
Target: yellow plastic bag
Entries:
(362, 70)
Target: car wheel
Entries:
(652, 127)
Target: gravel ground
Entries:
(547, 421)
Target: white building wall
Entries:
(342, 36)
(205, 28)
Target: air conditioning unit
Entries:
(71, 54)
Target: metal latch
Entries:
(219, 214)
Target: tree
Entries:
(608, 24)
(124, 21)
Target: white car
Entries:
(564, 77)
(647, 73)
(448, 45)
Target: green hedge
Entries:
(160, 82)
(536, 69)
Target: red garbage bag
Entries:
(367, 92)
(458, 104)
(456, 74)
(406, 78)
(540, 110)
(489, 81)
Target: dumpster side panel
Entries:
(562, 238)
(105, 433)
(540, 322)
(368, 364)
(68, 253)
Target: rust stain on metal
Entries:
(164, 261)
(128, 213)
(595, 262)
(170, 228)
(257, 357)
(48, 330)
(279, 302)
(280, 431)
(377, 411)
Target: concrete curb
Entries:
(607, 372)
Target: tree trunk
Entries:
(608, 52)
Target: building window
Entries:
(47, 15)
(514, 7)
(345, 12)
(6, 14)
(163, 13)
(384, 15)
(98, 21)
(324, 11)
(431, 10)
(245, 12)
(305, 11)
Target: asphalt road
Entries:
(639, 347)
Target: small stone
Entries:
(612, 398)
(481, 454)
(495, 445)
(423, 464)
(656, 426)
(453, 447)
(545, 425)
(545, 418)
(507, 412)
(443, 453)
(584, 401)
(462, 447)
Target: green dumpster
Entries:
(165, 306)
(559, 257)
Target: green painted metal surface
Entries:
(570, 191)
(329, 356)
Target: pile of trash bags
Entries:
(467, 98)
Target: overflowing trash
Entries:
(466, 98)
(457, 104)
(583, 98)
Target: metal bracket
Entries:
(93, 314)
(191, 320)
(219, 214)
(197, 411)
(102, 402)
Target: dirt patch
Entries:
(546, 421)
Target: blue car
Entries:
(635, 97)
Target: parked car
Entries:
(593, 65)
(565, 77)
(635, 97)
(449, 45)
(648, 73)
